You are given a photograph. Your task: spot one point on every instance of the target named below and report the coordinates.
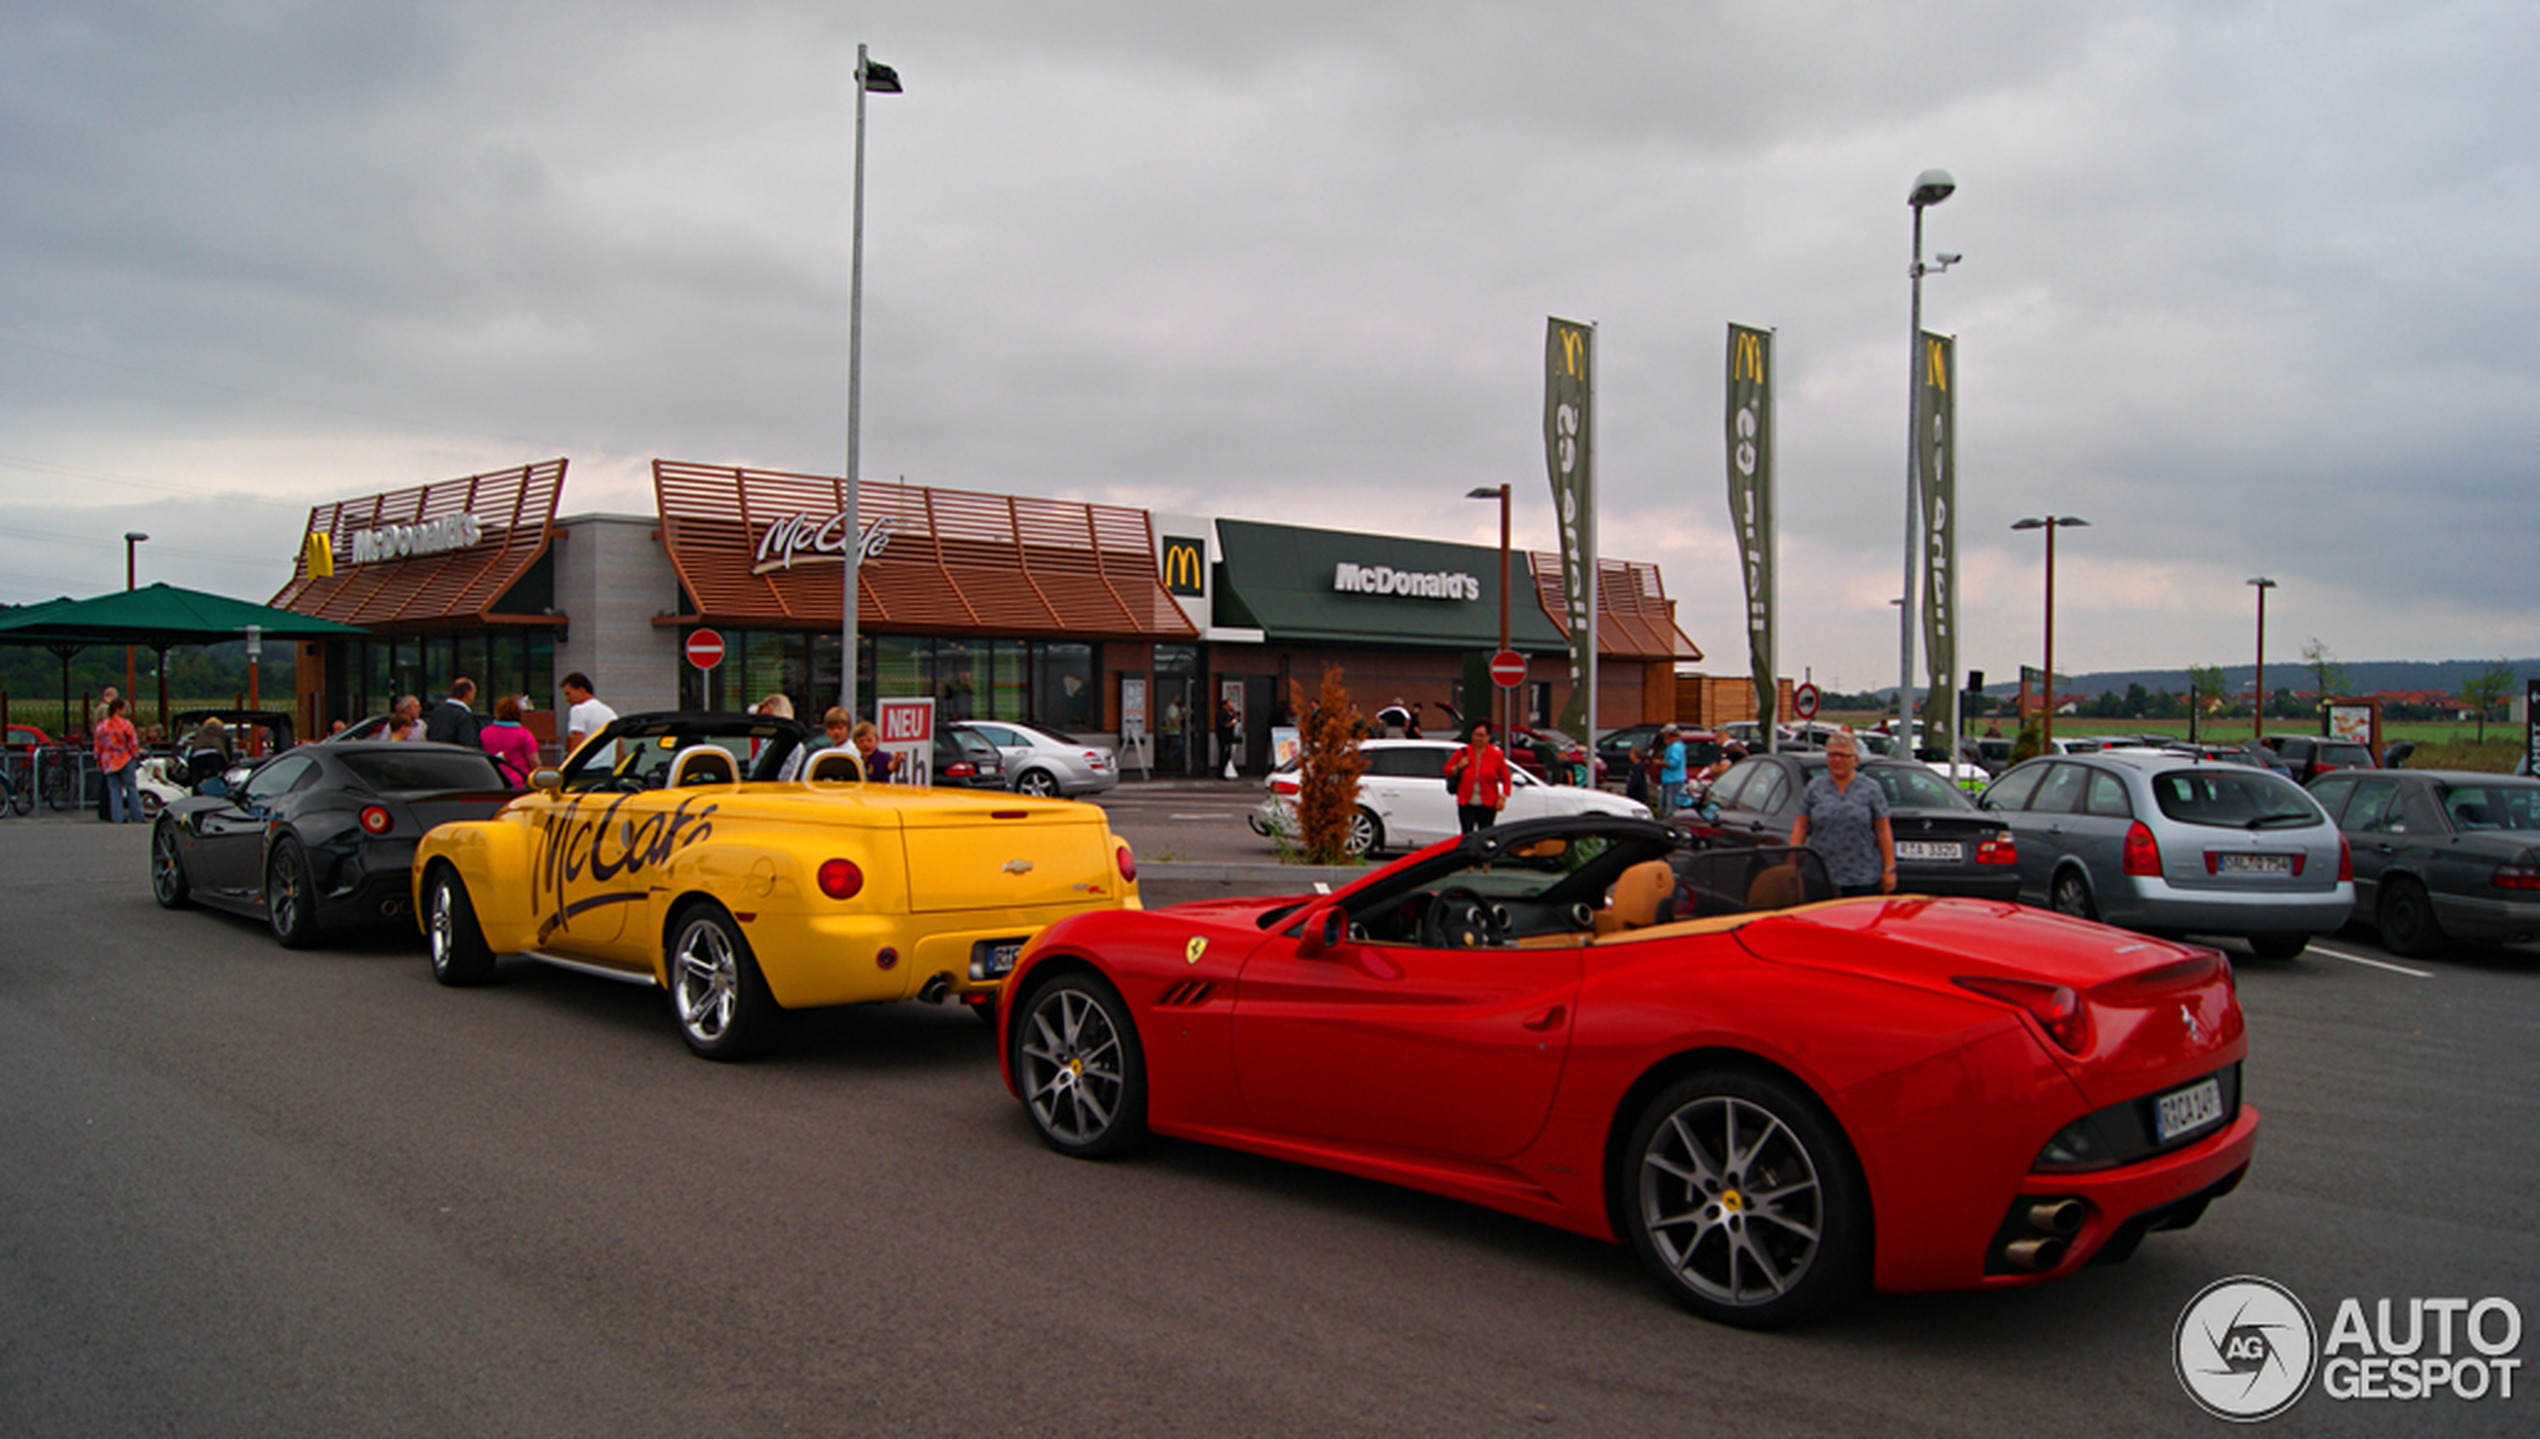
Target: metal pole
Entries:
(2260, 715)
(1588, 554)
(2046, 717)
(853, 530)
(1913, 491)
(1501, 705)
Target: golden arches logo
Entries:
(1936, 362)
(318, 551)
(1185, 567)
(1746, 356)
(1573, 351)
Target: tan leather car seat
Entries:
(1638, 895)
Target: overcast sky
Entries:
(2250, 286)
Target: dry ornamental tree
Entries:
(1327, 769)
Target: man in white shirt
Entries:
(585, 715)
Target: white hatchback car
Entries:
(1404, 802)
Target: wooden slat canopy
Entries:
(1635, 619)
(516, 512)
(950, 561)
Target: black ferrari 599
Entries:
(318, 836)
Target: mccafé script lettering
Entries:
(815, 541)
(396, 542)
(1352, 579)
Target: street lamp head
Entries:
(1930, 188)
(133, 537)
(2262, 582)
(2061, 522)
(1485, 492)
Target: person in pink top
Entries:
(511, 744)
(119, 759)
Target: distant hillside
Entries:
(2362, 676)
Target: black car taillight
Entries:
(376, 819)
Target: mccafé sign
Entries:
(1350, 579)
(432, 537)
(816, 541)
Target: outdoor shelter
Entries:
(159, 617)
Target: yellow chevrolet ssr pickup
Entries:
(717, 857)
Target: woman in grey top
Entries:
(1843, 817)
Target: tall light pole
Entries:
(2262, 584)
(131, 540)
(2050, 524)
(1499, 696)
(1930, 188)
(876, 78)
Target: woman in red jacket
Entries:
(1479, 775)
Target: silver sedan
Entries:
(1039, 762)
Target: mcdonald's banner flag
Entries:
(319, 550)
(1750, 450)
(1939, 447)
(1569, 353)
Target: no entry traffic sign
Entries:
(1508, 669)
(705, 649)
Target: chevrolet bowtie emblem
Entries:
(1018, 866)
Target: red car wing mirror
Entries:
(1322, 932)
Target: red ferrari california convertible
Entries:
(1779, 1097)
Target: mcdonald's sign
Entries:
(318, 550)
(1185, 566)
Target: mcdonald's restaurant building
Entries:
(1105, 622)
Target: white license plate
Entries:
(1949, 852)
(2190, 1109)
(996, 957)
(2255, 864)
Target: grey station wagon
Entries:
(2170, 844)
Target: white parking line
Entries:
(1220, 814)
(2317, 948)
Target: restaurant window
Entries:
(1062, 685)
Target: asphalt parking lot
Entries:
(258, 1192)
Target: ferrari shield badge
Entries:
(1193, 950)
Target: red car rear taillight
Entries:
(2001, 849)
(2345, 861)
(840, 879)
(2057, 1008)
(2522, 874)
(1128, 863)
(2142, 853)
(375, 820)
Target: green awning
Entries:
(1299, 585)
(158, 616)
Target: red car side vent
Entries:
(1185, 995)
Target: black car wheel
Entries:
(2276, 948)
(291, 895)
(2071, 895)
(460, 956)
(168, 882)
(723, 1006)
(2406, 920)
(1743, 1199)
(1077, 1061)
(1039, 783)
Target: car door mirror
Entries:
(1322, 932)
(547, 781)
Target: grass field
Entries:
(2442, 744)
